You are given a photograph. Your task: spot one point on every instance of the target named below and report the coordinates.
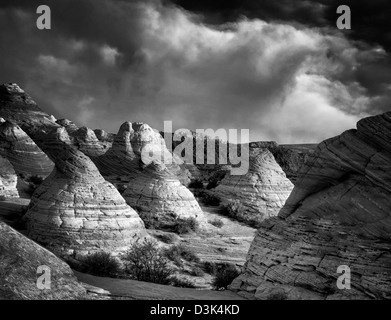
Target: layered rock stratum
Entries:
(338, 214)
(157, 190)
(134, 147)
(8, 180)
(26, 157)
(20, 260)
(261, 191)
(75, 210)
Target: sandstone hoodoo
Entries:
(123, 161)
(26, 157)
(339, 214)
(8, 180)
(156, 190)
(21, 258)
(69, 125)
(87, 142)
(261, 192)
(75, 210)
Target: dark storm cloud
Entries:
(107, 61)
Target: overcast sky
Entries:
(279, 68)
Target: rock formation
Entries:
(75, 210)
(70, 126)
(20, 259)
(124, 160)
(261, 192)
(26, 157)
(339, 214)
(87, 142)
(8, 180)
(159, 191)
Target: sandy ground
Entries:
(120, 288)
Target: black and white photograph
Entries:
(224, 153)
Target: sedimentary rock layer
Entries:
(26, 157)
(339, 214)
(75, 210)
(260, 192)
(87, 142)
(158, 191)
(130, 153)
(8, 180)
(20, 260)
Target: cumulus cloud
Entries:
(105, 62)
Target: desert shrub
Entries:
(3, 198)
(216, 222)
(280, 295)
(166, 237)
(212, 184)
(150, 219)
(101, 264)
(121, 188)
(224, 276)
(236, 211)
(181, 283)
(35, 179)
(146, 262)
(209, 200)
(185, 225)
(210, 267)
(196, 184)
(178, 252)
(197, 272)
(33, 183)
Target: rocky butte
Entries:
(337, 214)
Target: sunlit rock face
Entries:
(339, 213)
(134, 146)
(69, 125)
(158, 191)
(8, 180)
(26, 157)
(75, 210)
(20, 260)
(87, 142)
(259, 192)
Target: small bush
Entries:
(224, 276)
(212, 184)
(210, 267)
(217, 222)
(101, 264)
(33, 183)
(3, 198)
(146, 262)
(186, 225)
(35, 179)
(197, 272)
(280, 295)
(150, 219)
(196, 184)
(178, 252)
(209, 200)
(167, 238)
(181, 283)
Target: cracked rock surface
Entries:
(339, 213)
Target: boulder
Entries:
(20, 260)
